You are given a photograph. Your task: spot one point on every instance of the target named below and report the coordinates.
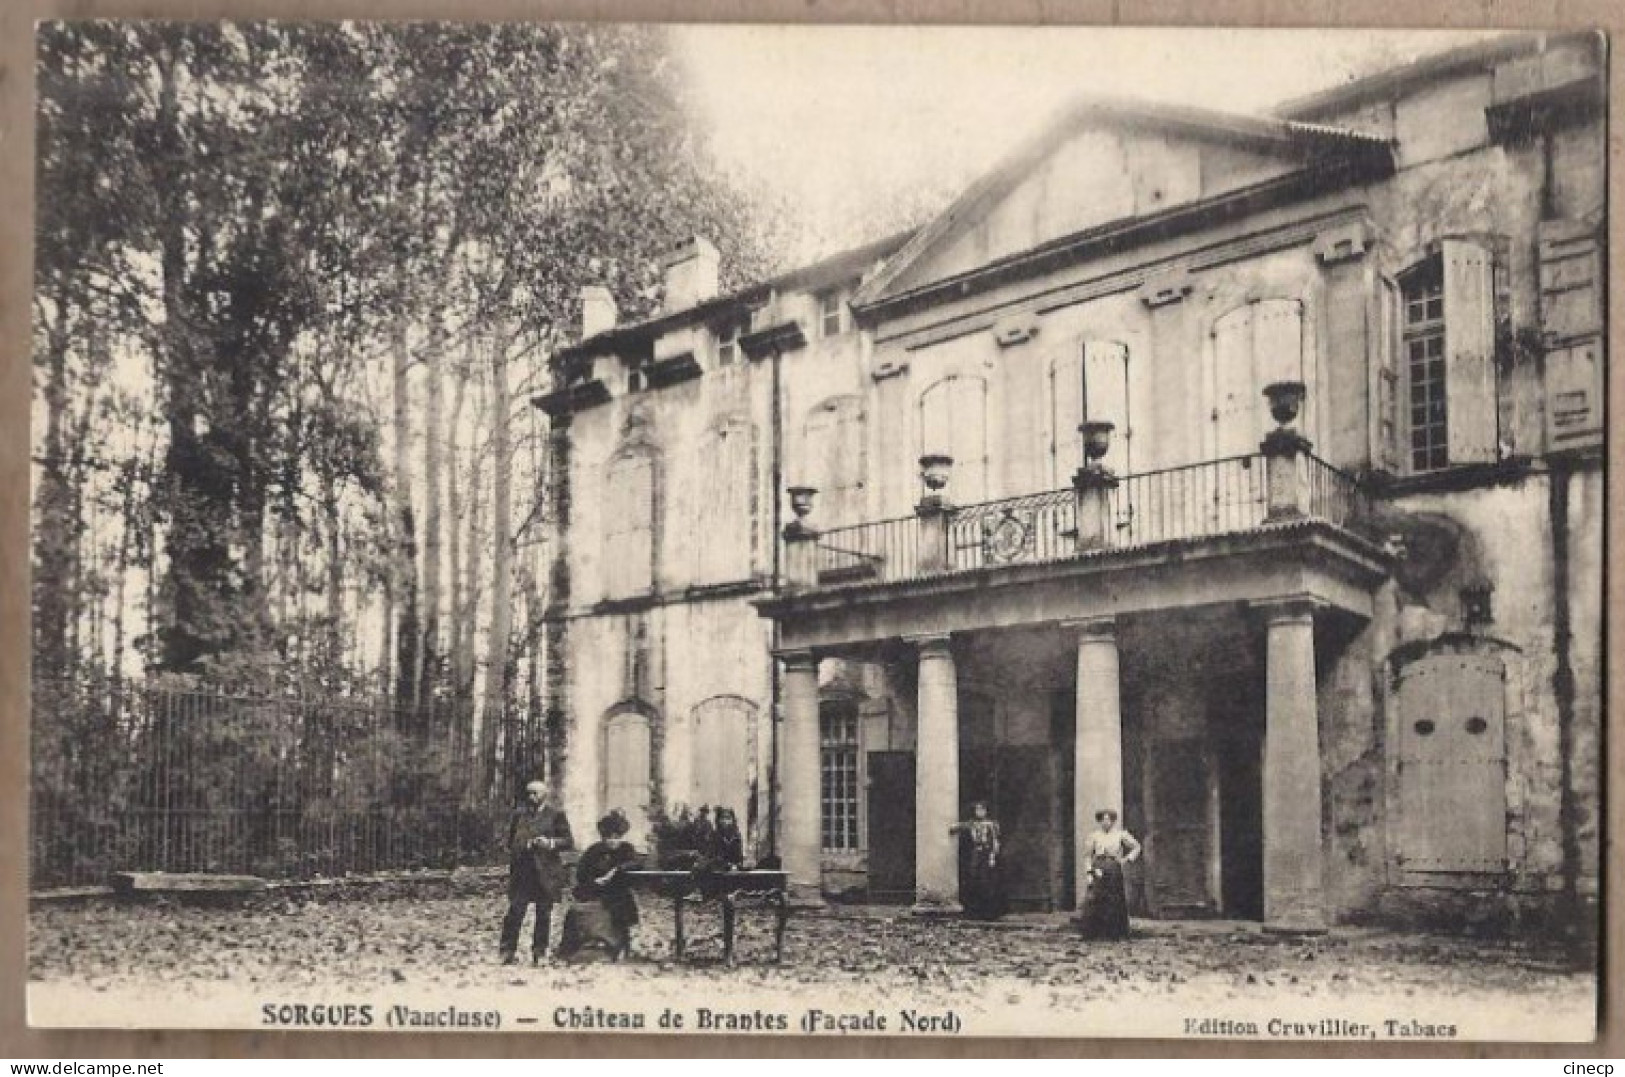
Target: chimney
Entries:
(690, 274)
(598, 311)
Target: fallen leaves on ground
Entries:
(450, 941)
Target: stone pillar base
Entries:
(936, 910)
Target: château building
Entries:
(1243, 473)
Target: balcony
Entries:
(1153, 509)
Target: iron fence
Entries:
(139, 777)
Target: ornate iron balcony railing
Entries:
(1196, 501)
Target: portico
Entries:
(1138, 647)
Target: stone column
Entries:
(936, 780)
(1098, 736)
(1293, 898)
(800, 840)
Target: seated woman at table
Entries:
(599, 924)
(730, 843)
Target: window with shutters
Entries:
(1254, 346)
(838, 788)
(722, 752)
(628, 755)
(1451, 769)
(629, 525)
(832, 438)
(722, 513)
(1448, 358)
(1089, 381)
(953, 421)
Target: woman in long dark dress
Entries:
(981, 890)
(599, 924)
(1105, 906)
(729, 847)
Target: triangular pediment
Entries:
(1100, 163)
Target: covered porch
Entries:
(1172, 679)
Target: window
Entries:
(833, 440)
(629, 526)
(627, 764)
(728, 351)
(831, 314)
(1423, 292)
(637, 378)
(1253, 346)
(1088, 381)
(838, 795)
(724, 513)
(722, 753)
(1447, 327)
(953, 421)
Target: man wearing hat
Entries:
(1105, 906)
(537, 833)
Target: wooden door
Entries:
(1452, 764)
(1179, 835)
(891, 827)
(1024, 804)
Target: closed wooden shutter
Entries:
(629, 526)
(722, 753)
(1278, 356)
(953, 419)
(1105, 384)
(1570, 276)
(1452, 765)
(1390, 345)
(1574, 390)
(721, 541)
(1066, 412)
(833, 440)
(627, 758)
(1473, 430)
(1234, 415)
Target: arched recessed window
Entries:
(723, 728)
(628, 759)
(724, 522)
(953, 421)
(1088, 380)
(1253, 346)
(629, 525)
(834, 459)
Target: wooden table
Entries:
(734, 889)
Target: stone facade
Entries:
(1388, 603)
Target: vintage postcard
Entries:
(813, 529)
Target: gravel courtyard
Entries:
(444, 946)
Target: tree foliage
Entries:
(294, 284)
